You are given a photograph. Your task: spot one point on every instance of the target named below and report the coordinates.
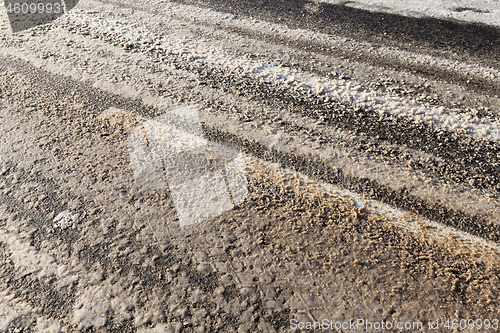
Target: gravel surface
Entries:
(372, 179)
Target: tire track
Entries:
(475, 164)
(287, 252)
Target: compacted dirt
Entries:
(372, 198)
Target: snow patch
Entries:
(11, 309)
(49, 325)
(65, 219)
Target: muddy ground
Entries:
(293, 251)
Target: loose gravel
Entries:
(84, 249)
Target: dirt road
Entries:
(371, 152)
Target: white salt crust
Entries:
(26, 260)
(11, 309)
(49, 325)
(94, 297)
